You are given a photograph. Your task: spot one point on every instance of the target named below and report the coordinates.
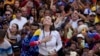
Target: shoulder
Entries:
(23, 18)
(18, 35)
(55, 32)
(5, 44)
(37, 32)
(14, 20)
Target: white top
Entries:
(74, 24)
(54, 44)
(20, 22)
(5, 48)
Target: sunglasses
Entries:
(7, 14)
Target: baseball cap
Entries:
(80, 36)
(92, 13)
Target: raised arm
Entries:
(51, 4)
(80, 15)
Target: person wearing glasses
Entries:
(8, 15)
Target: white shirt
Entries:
(20, 22)
(5, 48)
(54, 44)
(74, 24)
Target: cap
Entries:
(80, 36)
(92, 13)
(87, 11)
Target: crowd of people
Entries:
(49, 27)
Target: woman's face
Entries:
(54, 8)
(62, 8)
(8, 7)
(41, 13)
(17, 4)
(73, 46)
(74, 16)
(79, 40)
(47, 20)
(47, 13)
(33, 11)
(14, 28)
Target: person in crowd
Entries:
(34, 27)
(14, 37)
(91, 19)
(71, 50)
(97, 25)
(21, 21)
(26, 49)
(1, 7)
(97, 19)
(5, 46)
(31, 50)
(8, 16)
(41, 15)
(24, 12)
(33, 16)
(16, 4)
(44, 48)
(68, 32)
(5, 24)
(8, 7)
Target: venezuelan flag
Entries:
(35, 37)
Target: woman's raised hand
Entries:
(46, 39)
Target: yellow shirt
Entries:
(97, 19)
(14, 16)
(94, 8)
